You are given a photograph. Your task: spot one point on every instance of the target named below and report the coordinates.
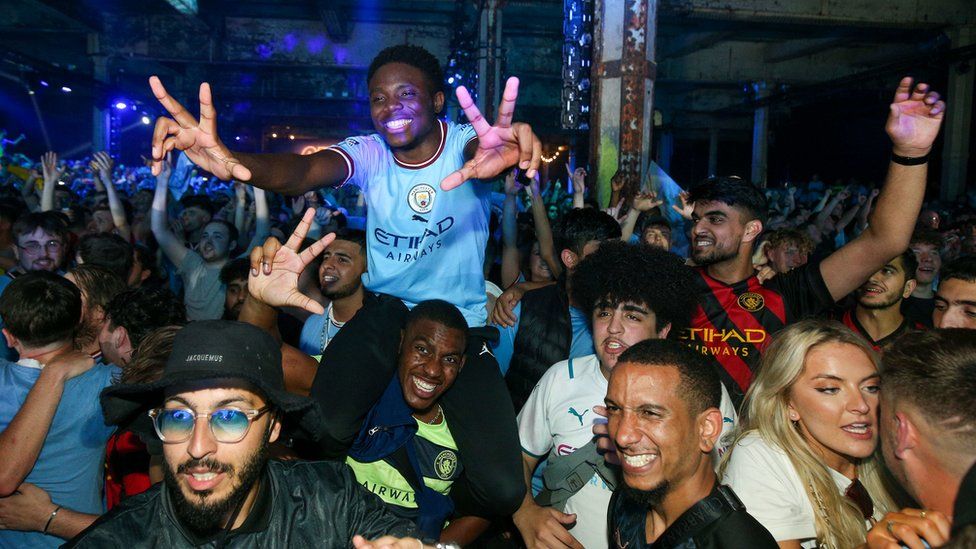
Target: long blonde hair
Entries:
(838, 521)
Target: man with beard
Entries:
(41, 240)
(219, 485)
(927, 246)
(662, 404)
(199, 269)
(98, 287)
(877, 315)
(340, 279)
(737, 315)
(632, 293)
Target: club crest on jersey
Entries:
(445, 463)
(751, 301)
(421, 198)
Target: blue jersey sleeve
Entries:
(506, 342)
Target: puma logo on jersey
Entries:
(418, 218)
(578, 415)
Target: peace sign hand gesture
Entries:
(198, 139)
(275, 268)
(500, 146)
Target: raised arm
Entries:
(22, 440)
(578, 177)
(644, 202)
(171, 245)
(543, 231)
(103, 164)
(49, 164)
(510, 253)
(284, 173)
(913, 124)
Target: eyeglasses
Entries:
(226, 424)
(35, 247)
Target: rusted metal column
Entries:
(623, 90)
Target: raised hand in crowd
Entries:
(52, 174)
(197, 138)
(642, 203)
(578, 179)
(275, 268)
(686, 208)
(500, 146)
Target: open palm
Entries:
(275, 268)
(914, 118)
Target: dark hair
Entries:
(963, 268)
(235, 269)
(149, 356)
(583, 225)
(654, 221)
(735, 192)
(700, 386)
(910, 263)
(927, 236)
(232, 236)
(107, 250)
(352, 235)
(143, 310)
(198, 201)
(98, 284)
(618, 272)
(415, 56)
(9, 212)
(794, 236)
(40, 308)
(147, 259)
(439, 311)
(50, 222)
(935, 372)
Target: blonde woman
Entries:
(803, 462)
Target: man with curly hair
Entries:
(630, 293)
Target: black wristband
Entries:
(909, 160)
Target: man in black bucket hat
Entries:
(219, 404)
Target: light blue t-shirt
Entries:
(422, 242)
(71, 462)
(6, 353)
(581, 344)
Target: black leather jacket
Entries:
(300, 504)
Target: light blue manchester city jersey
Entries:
(423, 242)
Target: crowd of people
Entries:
(409, 340)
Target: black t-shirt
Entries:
(919, 309)
(733, 323)
(719, 521)
(964, 510)
(849, 319)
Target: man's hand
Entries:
(49, 166)
(102, 163)
(686, 208)
(544, 527)
(70, 364)
(275, 268)
(388, 542)
(512, 187)
(646, 201)
(604, 444)
(198, 139)
(914, 119)
(500, 146)
(503, 314)
(907, 528)
(578, 177)
(27, 509)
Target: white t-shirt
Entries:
(767, 483)
(558, 417)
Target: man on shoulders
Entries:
(877, 315)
